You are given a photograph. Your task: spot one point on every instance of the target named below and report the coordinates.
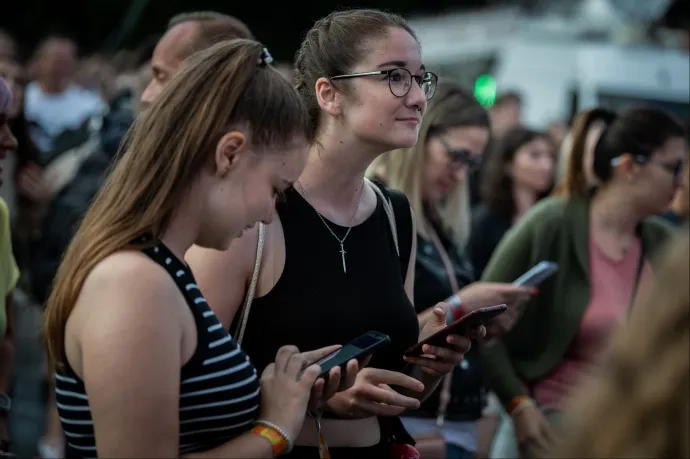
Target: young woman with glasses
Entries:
(339, 259)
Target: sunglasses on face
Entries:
(461, 157)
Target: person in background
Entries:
(8, 46)
(191, 391)
(454, 133)
(578, 147)
(54, 103)
(679, 212)
(636, 403)
(518, 174)
(506, 112)
(9, 274)
(187, 33)
(604, 242)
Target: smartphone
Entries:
(538, 274)
(358, 348)
(462, 326)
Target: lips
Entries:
(411, 120)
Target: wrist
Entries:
(280, 441)
(519, 403)
(456, 309)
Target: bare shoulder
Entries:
(126, 289)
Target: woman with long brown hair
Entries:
(144, 367)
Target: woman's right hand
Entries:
(532, 431)
(284, 394)
(372, 395)
(482, 294)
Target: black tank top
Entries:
(219, 388)
(315, 304)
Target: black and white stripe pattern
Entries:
(219, 386)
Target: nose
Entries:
(460, 173)
(8, 141)
(416, 97)
(150, 93)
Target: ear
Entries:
(228, 151)
(327, 96)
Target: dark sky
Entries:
(96, 24)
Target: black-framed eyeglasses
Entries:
(461, 157)
(676, 169)
(400, 81)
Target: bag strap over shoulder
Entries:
(247, 306)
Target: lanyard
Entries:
(323, 446)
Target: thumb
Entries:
(440, 311)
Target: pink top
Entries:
(611, 285)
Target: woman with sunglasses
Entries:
(338, 260)
(433, 175)
(604, 242)
(518, 173)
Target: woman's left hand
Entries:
(436, 360)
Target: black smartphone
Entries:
(358, 348)
(462, 326)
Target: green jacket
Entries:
(556, 229)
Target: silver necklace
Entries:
(323, 220)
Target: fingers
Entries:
(351, 371)
(393, 378)
(318, 354)
(431, 365)
(295, 364)
(365, 361)
(333, 384)
(453, 354)
(378, 409)
(388, 396)
(283, 356)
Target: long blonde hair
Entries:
(638, 403)
(452, 106)
(218, 89)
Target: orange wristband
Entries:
(517, 401)
(277, 440)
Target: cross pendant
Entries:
(342, 254)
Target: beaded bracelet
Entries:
(280, 441)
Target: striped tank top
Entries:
(219, 387)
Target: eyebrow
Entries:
(400, 64)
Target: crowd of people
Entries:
(204, 226)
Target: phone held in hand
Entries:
(538, 274)
(462, 326)
(359, 348)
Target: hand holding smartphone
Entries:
(462, 327)
(359, 348)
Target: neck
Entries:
(612, 211)
(180, 236)
(53, 87)
(524, 199)
(335, 170)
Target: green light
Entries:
(485, 90)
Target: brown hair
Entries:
(497, 183)
(575, 181)
(212, 28)
(637, 404)
(334, 45)
(170, 143)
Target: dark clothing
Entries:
(69, 205)
(432, 286)
(488, 228)
(315, 304)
